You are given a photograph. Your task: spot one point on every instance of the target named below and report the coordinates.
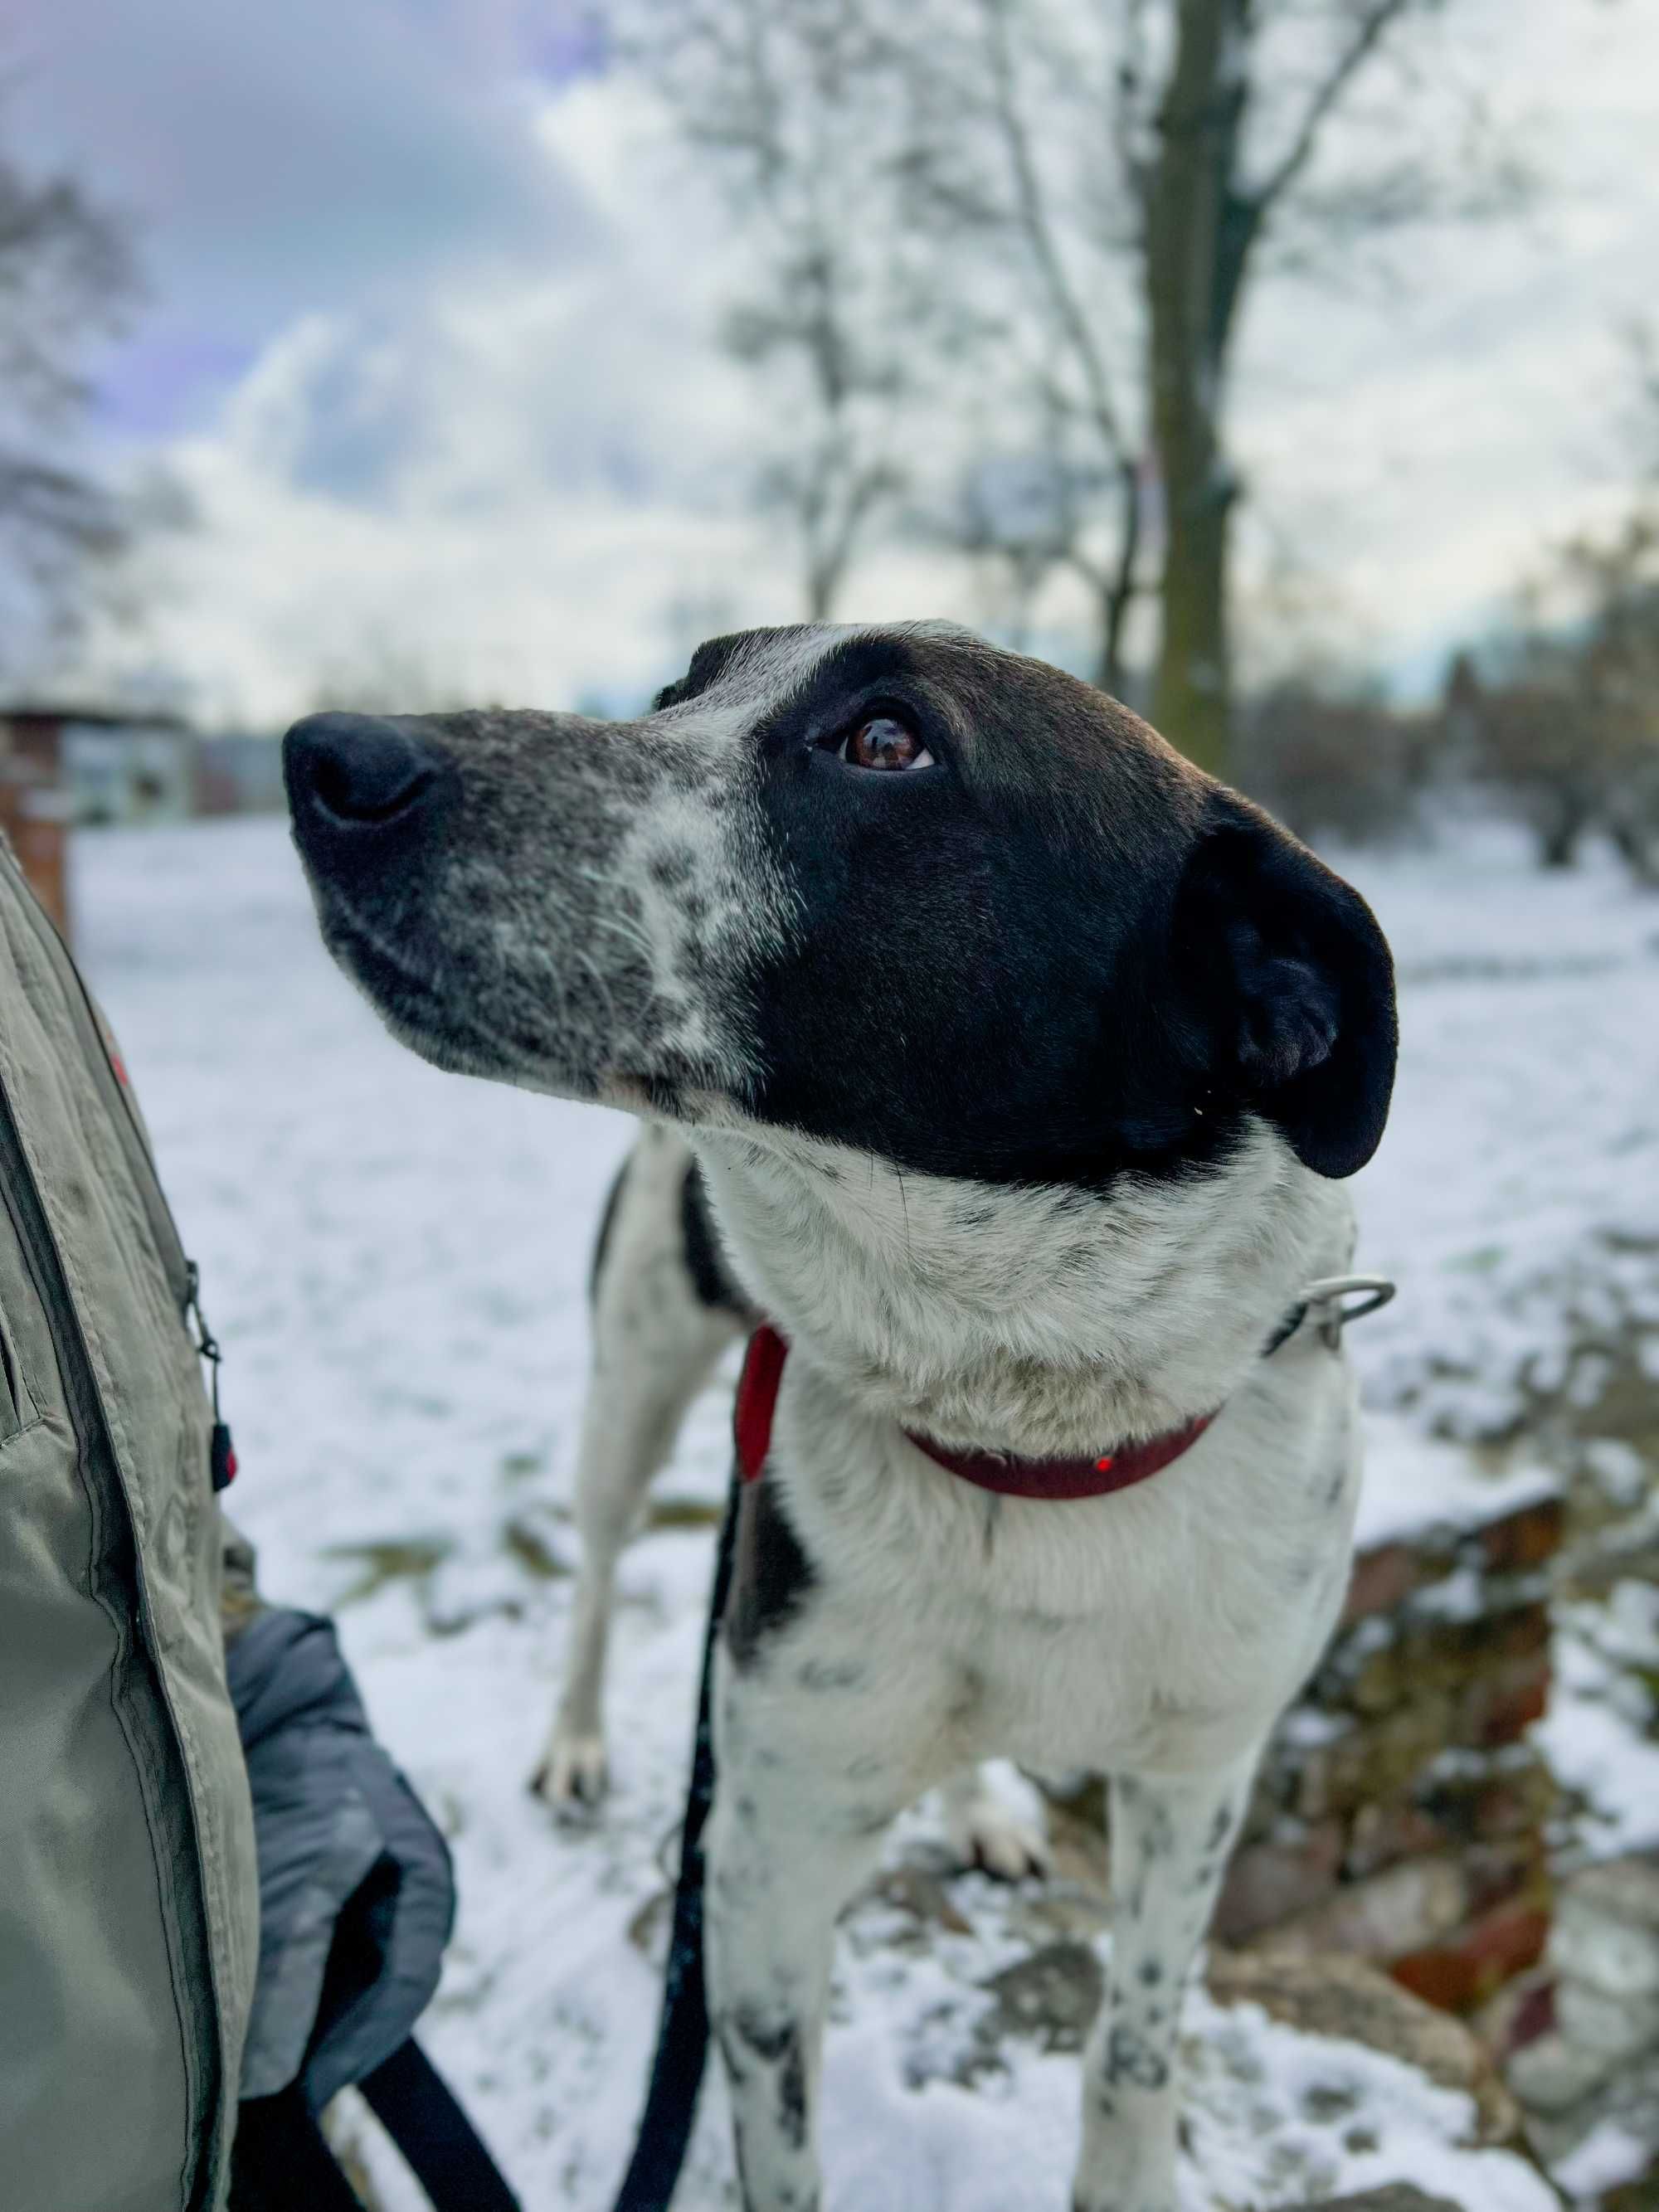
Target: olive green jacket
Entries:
(129, 1910)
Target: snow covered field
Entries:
(395, 1261)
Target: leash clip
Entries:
(1327, 1293)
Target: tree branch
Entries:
(770, 91)
(1129, 83)
(1374, 21)
(1034, 221)
(53, 515)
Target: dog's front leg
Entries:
(1170, 1841)
(786, 1848)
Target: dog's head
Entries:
(891, 888)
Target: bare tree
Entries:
(1561, 716)
(775, 93)
(1127, 165)
(1532, 745)
(1022, 499)
(1618, 658)
(1066, 204)
(835, 472)
(1212, 188)
(66, 269)
(1565, 721)
(1013, 171)
(1017, 515)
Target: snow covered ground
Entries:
(395, 1261)
(1518, 1185)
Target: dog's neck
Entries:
(1035, 1322)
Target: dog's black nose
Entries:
(359, 771)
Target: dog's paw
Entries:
(572, 1779)
(985, 1834)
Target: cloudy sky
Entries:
(429, 336)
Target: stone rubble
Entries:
(1598, 2060)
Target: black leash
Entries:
(282, 2158)
(414, 2104)
(671, 2101)
(417, 2109)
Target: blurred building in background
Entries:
(34, 802)
(117, 769)
(238, 772)
(71, 764)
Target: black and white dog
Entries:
(1022, 1062)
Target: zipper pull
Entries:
(221, 1453)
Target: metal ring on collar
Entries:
(1373, 1291)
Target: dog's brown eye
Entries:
(884, 744)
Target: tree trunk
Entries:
(1562, 821)
(1115, 592)
(1191, 694)
(820, 592)
(1197, 237)
(1637, 842)
(1108, 653)
(1113, 612)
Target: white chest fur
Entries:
(1164, 1624)
(1160, 1627)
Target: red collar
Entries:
(758, 1396)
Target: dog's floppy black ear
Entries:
(1293, 983)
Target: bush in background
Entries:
(1562, 724)
(1337, 762)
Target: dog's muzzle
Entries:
(365, 793)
